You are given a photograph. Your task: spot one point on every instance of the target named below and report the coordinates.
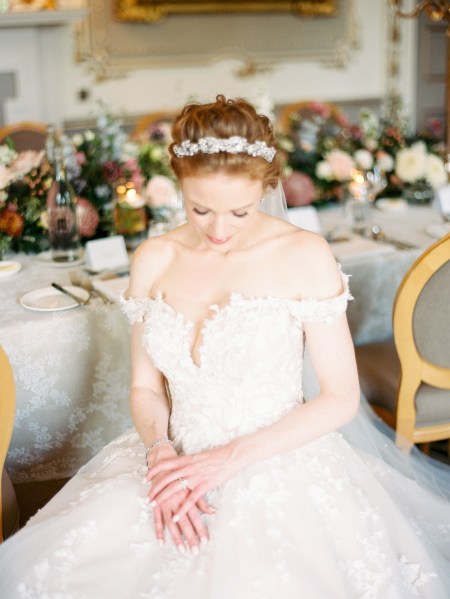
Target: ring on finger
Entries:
(185, 483)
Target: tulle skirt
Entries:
(331, 520)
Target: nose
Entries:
(218, 228)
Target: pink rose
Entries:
(26, 161)
(299, 189)
(341, 164)
(161, 191)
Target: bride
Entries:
(231, 485)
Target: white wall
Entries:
(51, 79)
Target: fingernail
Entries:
(181, 548)
(161, 542)
(195, 550)
(204, 541)
(153, 503)
(176, 518)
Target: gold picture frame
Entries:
(152, 11)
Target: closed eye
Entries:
(240, 215)
(200, 212)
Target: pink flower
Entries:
(131, 165)
(299, 189)
(160, 191)
(87, 217)
(341, 164)
(26, 161)
(80, 158)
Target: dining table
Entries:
(72, 364)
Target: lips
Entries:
(218, 241)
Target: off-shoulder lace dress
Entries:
(315, 523)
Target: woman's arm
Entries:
(331, 350)
(150, 411)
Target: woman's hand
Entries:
(193, 475)
(191, 528)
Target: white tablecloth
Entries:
(72, 372)
(374, 275)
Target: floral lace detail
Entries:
(414, 578)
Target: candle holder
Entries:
(130, 214)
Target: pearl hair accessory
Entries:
(232, 145)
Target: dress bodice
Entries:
(249, 372)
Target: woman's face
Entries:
(222, 208)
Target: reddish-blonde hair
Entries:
(222, 119)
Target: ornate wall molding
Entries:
(110, 49)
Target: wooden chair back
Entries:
(144, 123)
(26, 135)
(421, 328)
(7, 413)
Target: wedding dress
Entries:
(321, 522)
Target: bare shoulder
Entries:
(311, 261)
(150, 259)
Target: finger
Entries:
(159, 526)
(167, 486)
(174, 530)
(199, 526)
(205, 507)
(190, 535)
(190, 501)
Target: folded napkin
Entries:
(112, 287)
(359, 248)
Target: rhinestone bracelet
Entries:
(154, 444)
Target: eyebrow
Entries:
(234, 210)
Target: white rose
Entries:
(364, 159)
(435, 172)
(410, 164)
(77, 139)
(89, 135)
(385, 162)
(323, 170)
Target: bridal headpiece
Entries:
(232, 145)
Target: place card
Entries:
(305, 217)
(443, 196)
(108, 253)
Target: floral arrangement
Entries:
(323, 150)
(97, 162)
(25, 179)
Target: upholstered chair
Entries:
(407, 379)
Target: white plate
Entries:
(437, 230)
(46, 258)
(9, 268)
(391, 204)
(49, 299)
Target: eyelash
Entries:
(200, 213)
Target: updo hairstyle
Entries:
(222, 119)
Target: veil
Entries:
(418, 485)
(274, 202)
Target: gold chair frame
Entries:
(7, 413)
(414, 369)
(144, 122)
